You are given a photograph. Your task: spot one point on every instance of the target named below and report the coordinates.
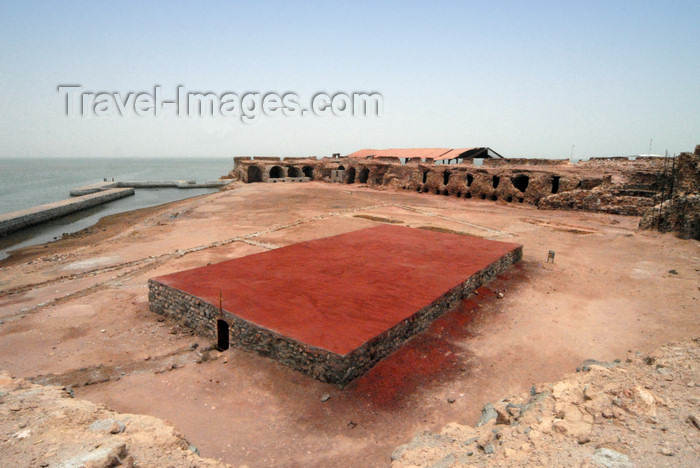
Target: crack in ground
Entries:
(101, 373)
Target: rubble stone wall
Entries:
(678, 209)
(607, 185)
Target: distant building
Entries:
(438, 155)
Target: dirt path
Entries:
(82, 305)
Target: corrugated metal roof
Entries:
(438, 154)
(400, 153)
(454, 153)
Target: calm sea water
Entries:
(25, 183)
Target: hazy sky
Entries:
(529, 79)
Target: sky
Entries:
(547, 79)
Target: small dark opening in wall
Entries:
(418, 189)
(470, 179)
(276, 172)
(496, 181)
(509, 199)
(520, 200)
(445, 192)
(483, 196)
(221, 335)
(494, 198)
(468, 195)
(341, 168)
(520, 182)
(351, 175)
(425, 176)
(364, 175)
(437, 191)
(308, 172)
(459, 194)
(446, 177)
(555, 184)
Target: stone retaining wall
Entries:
(17, 220)
(315, 362)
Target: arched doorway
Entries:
(222, 335)
(293, 171)
(276, 172)
(308, 172)
(254, 174)
(446, 177)
(341, 168)
(351, 175)
(364, 175)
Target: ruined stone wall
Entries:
(613, 185)
(317, 363)
(678, 204)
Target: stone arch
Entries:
(364, 175)
(276, 172)
(254, 174)
(520, 182)
(351, 175)
(341, 168)
(308, 172)
(293, 171)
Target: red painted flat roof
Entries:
(338, 292)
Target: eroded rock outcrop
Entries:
(45, 426)
(642, 412)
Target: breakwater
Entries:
(17, 220)
(180, 184)
(88, 196)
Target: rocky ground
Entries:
(43, 426)
(75, 313)
(641, 412)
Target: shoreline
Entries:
(102, 229)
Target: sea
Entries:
(28, 182)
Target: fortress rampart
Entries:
(608, 185)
